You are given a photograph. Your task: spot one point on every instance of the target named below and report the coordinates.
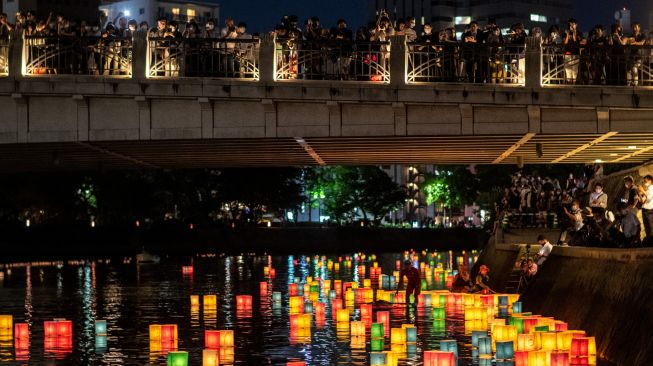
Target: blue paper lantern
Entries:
(411, 349)
(308, 307)
(100, 327)
(516, 307)
(276, 296)
(476, 334)
(378, 358)
(505, 350)
(332, 294)
(100, 343)
(484, 345)
(427, 300)
(449, 346)
(503, 300)
(505, 363)
(411, 335)
(503, 312)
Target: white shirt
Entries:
(648, 204)
(544, 252)
(598, 199)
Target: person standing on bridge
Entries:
(544, 252)
(414, 282)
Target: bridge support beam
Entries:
(513, 148)
(585, 146)
(82, 117)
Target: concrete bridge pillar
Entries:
(16, 58)
(533, 62)
(266, 60)
(139, 56)
(398, 60)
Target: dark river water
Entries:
(131, 297)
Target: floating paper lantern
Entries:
(476, 334)
(518, 323)
(212, 339)
(439, 325)
(101, 343)
(526, 342)
(530, 324)
(292, 289)
(187, 270)
(485, 345)
(367, 282)
(155, 332)
(177, 358)
(505, 349)
(547, 341)
(449, 345)
(561, 326)
(296, 363)
(542, 328)
(411, 335)
(6, 322)
(357, 328)
(474, 313)
(377, 345)
(485, 360)
(244, 302)
(263, 287)
(516, 307)
(537, 358)
(342, 315)
(226, 355)
(21, 331)
(559, 358)
(504, 333)
(226, 339)
(210, 357)
(579, 347)
(194, 301)
(296, 304)
(384, 317)
(377, 330)
(503, 300)
(439, 358)
(273, 272)
(366, 310)
(521, 358)
(276, 296)
(100, 327)
(378, 358)
(308, 307)
(210, 301)
(397, 336)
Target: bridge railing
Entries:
(4, 57)
(597, 65)
(202, 57)
(77, 56)
(460, 63)
(332, 60)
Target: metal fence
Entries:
(201, 57)
(337, 60)
(77, 56)
(597, 65)
(501, 64)
(4, 57)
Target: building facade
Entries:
(151, 10)
(73, 9)
(458, 13)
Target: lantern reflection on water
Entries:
(210, 357)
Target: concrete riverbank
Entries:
(607, 292)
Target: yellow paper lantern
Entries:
(6, 322)
(504, 333)
(210, 301)
(226, 339)
(227, 355)
(547, 341)
(538, 358)
(367, 282)
(357, 328)
(358, 342)
(342, 315)
(526, 342)
(349, 295)
(194, 301)
(155, 333)
(210, 357)
(397, 336)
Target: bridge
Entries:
(137, 104)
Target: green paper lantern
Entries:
(377, 330)
(177, 358)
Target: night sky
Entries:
(262, 15)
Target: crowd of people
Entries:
(587, 214)
(483, 53)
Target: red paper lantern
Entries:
(212, 339)
(579, 347)
(521, 358)
(292, 289)
(384, 317)
(561, 326)
(264, 288)
(296, 363)
(559, 359)
(21, 331)
(529, 323)
(243, 302)
(168, 333)
(366, 310)
(439, 358)
(187, 270)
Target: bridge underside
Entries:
(530, 148)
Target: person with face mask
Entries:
(627, 227)
(598, 198)
(645, 193)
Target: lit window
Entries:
(538, 18)
(462, 20)
(422, 20)
(190, 13)
(175, 12)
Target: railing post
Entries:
(16, 57)
(398, 60)
(139, 56)
(266, 64)
(533, 62)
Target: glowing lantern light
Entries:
(292, 289)
(521, 358)
(155, 332)
(227, 355)
(400, 298)
(276, 296)
(366, 310)
(559, 359)
(530, 324)
(101, 327)
(210, 357)
(505, 349)
(485, 345)
(210, 301)
(547, 341)
(212, 339)
(411, 335)
(358, 342)
(6, 322)
(537, 358)
(226, 339)
(516, 307)
(342, 316)
(177, 358)
(377, 345)
(320, 310)
(263, 287)
(21, 331)
(504, 333)
(579, 347)
(187, 270)
(384, 317)
(476, 334)
(378, 358)
(526, 342)
(244, 302)
(561, 326)
(397, 336)
(296, 363)
(194, 301)
(449, 346)
(296, 303)
(439, 358)
(357, 328)
(377, 330)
